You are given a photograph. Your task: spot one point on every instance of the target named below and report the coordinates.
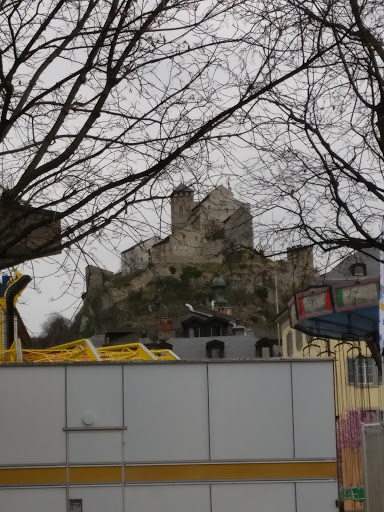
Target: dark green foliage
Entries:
(190, 273)
(239, 298)
(171, 289)
(137, 303)
(89, 329)
(172, 270)
(261, 292)
(259, 320)
(179, 291)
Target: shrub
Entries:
(190, 273)
(261, 292)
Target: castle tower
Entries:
(300, 258)
(181, 206)
(300, 266)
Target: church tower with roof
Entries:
(220, 304)
(182, 203)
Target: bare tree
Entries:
(55, 331)
(319, 139)
(105, 103)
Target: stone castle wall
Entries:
(201, 231)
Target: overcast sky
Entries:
(49, 292)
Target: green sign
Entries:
(357, 295)
(352, 493)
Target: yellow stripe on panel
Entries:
(168, 473)
(32, 476)
(247, 471)
(95, 474)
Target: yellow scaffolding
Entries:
(13, 281)
(76, 351)
(84, 350)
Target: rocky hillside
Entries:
(137, 301)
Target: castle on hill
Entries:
(202, 231)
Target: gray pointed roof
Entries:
(342, 271)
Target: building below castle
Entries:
(202, 231)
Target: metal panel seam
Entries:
(209, 415)
(66, 439)
(293, 413)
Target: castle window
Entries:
(181, 209)
(358, 269)
(215, 349)
(265, 352)
(188, 207)
(264, 347)
(183, 237)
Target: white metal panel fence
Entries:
(84, 433)
(32, 408)
(33, 500)
(250, 411)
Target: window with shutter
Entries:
(299, 340)
(289, 344)
(351, 371)
(358, 269)
(362, 371)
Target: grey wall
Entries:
(236, 347)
